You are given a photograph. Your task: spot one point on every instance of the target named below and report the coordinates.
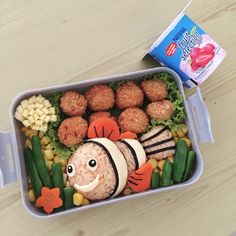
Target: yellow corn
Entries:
(49, 147)
(160, 164)
(45, 140)
(41, 134)
(31, 196)
(180, 133)
(173, 133)
(171, 159)
(176, 139)
(29, 133)
(56, 159)
(23, 129)
(187, 141)
(85, 202)
(48, 154)
(155, 170)
(28, 143)
(184, 128)
(127, 191)
(64, 178)
(152, 162)
(63, 161)
(77, 199)
(49, 164)
(63, 168)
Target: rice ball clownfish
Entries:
(99, 168)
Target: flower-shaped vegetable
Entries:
(128, 135)
(104, 128)
(49, 199)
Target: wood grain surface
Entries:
(49, 42)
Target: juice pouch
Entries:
(187, 49)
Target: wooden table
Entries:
(49, 42)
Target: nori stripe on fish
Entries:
(154, 135)
(112, 163)
(133, 153)
(160, 150)
(158, 143)
(135, 178)
(132, 182)
(95, 130)
(110, 134)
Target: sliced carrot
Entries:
(104, 128)
(140, 180)
(128, 135)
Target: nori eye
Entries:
(92, 163)
(69, 169)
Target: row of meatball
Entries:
(100, 98)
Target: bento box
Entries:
(13, 165)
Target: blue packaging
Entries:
(187, 49)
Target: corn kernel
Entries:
(152, 162)
(41, 134)
(187, 141)
(173, 133)
(63, 168)
(31, 195)
(155, 170)
(45, 140)
(180, 133)
(68, 184)
(24, 129)
(77, 199)
(63, 161)
(49, 147)
(176, 139)
(30, 133)
(85, 202)
(48, 154)
(28, 143)
(56, 159)
(160, 164)
(64, 178)
(127, 191)
(184, 128)
(49, 164)
(170, 159)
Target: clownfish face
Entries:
(91, 173)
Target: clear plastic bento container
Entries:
(12, 165)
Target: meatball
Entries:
(160, 110)
(72, 131)
(100, 97)
(129, 95)
(73, 104)
(98, 115)
(133, 119)
(155, 90)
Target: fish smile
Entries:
(88, 187)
